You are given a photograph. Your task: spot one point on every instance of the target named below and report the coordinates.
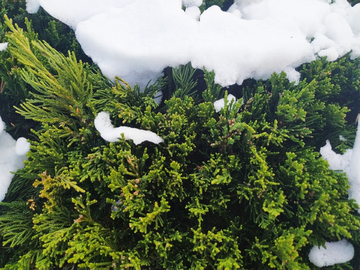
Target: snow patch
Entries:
(220, 104)
(193, 12)
(22, 146)
(10, 160)
(32, 6)
(111, 134)
(3, 46)
(335, 252)
(192, 3)
(349, 163)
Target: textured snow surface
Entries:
(111, 134)
(336, 161)
(219, 104)
(3, 46)
(335, 252)
(22, 146)
(32, 6)
(354, 170)
(137, 39)
(191, 3)
(10, 160)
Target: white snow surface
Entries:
(220, 104)
(22, 146)
(354, 170)
(111, 134)
(32, 6)
(10, 161)
(71, 12)
(336, 161)
(192, 3)
(349, 163)
(335, 252)
(2, 126)
(137, 39)
(3, 46)
(193, 12)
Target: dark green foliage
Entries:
(223, 4)
(242, 188)
(338, 88)
(354, 2)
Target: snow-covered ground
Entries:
(137, 39)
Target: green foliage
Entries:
(209, 3)
(14, 90)
(244, 188)
(63, 85)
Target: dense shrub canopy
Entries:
(242, 188)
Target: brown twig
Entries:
(2, 86)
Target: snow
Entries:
(338, 30)
(192, 3)
(2, 126)
(335, 252)
(137, 39)
(336, 161)
(354, 172)
(71, 12)
(220, 104)
(3, 46)
(32, 6)
(193, 12)
(353, 19)
(109, 133)
(339, 252)
(22, 146)
(10, 160)
(342, 138)
(348, 163)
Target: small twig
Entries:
(357, 118)
(2, 86)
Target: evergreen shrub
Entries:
(243, 188)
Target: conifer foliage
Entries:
(243, 188)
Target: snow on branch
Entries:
(334, 253)
(111, 134)
(3, 46)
